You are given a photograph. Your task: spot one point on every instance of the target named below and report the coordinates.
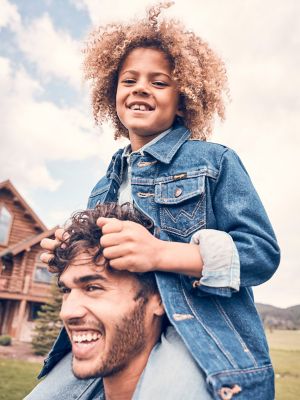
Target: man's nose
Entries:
(72, 307)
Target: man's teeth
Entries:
(141, 107)
(89, 337)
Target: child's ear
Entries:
(179, 112)
(180, 108)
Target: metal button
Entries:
(178, 192)
(227, 393)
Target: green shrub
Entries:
(5, 340)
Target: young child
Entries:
(161, 87)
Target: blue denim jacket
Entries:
(184, 185)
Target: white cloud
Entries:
(53, 51)
(9, 15)
(101, 12)
(34, 132)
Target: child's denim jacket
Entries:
(183, 186)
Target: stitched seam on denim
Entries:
(171, 200)
(116, 177)
(190, 174)
(242, 371)
(99, 191)
(169, 179)
(220, 161)
(173, 149)
(229, 323)
(142, 181)
(185, 233)
(219, 344)
(189, 216)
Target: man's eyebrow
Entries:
(89, 278)
(83, 279)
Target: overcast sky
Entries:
(53, 153)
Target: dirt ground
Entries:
(20, 351)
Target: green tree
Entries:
(48, 323)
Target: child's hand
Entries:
(128, 245)
(50, 245)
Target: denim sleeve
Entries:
(239, 212)
(221, 264)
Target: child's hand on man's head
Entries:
(50, 245)
(128, 245)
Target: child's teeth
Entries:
(142, 107)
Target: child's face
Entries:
(147, 97)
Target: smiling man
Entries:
(113, 321)
(122, 345)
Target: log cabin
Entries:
(24, 278)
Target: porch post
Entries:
(22, 308)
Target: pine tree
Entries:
(48, 324)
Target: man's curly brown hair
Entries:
(82, 235)
(199, 73)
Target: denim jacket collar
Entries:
(165, 148)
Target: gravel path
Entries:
(20, 351)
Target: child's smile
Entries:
(147, 97)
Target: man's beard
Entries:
(129, 340)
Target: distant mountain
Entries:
(279, 318)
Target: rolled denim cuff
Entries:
(221, 263)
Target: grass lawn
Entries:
(17, 378)
(285, 354)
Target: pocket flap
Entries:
(179, 190)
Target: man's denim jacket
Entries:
(183, 186)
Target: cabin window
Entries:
(42, 275)
(5, 225)
(34, 308)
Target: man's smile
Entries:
(84, 342)
(85, 337)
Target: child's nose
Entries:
(141, 88)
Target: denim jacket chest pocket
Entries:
(181, 200)
(98, 196)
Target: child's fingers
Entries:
(61, 234)
(110, 225)
(50, 244)
(110, 239)
(123, 264)
(46, 257)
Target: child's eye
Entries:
(159, 83)
(128, 81)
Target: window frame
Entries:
(6, 240)
(40, 264)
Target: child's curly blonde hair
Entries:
(199, 73)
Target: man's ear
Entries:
(158, 307)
